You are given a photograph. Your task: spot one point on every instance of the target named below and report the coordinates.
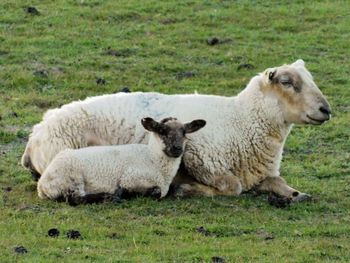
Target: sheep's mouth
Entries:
(316, 121)
(176, 154)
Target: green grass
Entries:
(56, 57)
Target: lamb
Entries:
(240, 149)
(107, 172)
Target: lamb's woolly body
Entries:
(244, 136)
(103, 169)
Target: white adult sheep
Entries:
(241, 147)
(95, 173)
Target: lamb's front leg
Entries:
(74, 199)
(129, 193)
(279, 186)
(154, 192)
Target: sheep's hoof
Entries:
(278, 201)
(154, 192)
(301, 197)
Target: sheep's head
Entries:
(171, 133)
(300, 99)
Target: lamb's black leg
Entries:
(124, 193)
(97, 198)
(116, 197)
(74, 200)
(154, 192)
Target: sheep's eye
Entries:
(286, 83)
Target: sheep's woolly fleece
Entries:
(244, 136)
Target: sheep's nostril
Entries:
(325, 110)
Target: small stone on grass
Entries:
(213, 41)
(245, 66)
(73, 234)
(32, 10)
(7, 189)
(100, 81)
(41, 73)
(125, 90)
(113, 52)
(217, 259)
(14, 114)
(20, 250)
(186, 74)
(53, 232)
(203, 231)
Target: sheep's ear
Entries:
(150, 125)
(299, 63)
(272, 73)
(194, 125)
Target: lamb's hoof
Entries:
(154, 192)
(74, 200)
(116, 200)
(117, 196)
(301, 197)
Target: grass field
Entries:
(79, 48)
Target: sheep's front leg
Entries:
(280, 187)
(228, 185)
(193, 189)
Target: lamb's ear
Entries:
(299, 63)
(194, 125)
(150, 125)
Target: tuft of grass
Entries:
(56, 56)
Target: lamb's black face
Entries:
(172, 133)
(173, 136)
